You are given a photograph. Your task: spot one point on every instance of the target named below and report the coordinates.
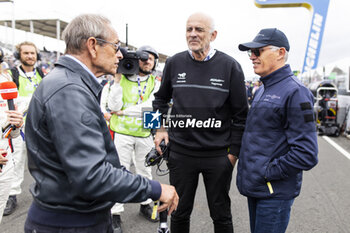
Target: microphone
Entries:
(8, 91)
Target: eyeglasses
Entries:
(257, 52)
(115, 46)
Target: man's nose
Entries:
(119, 55)
(193, 33)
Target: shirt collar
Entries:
(83, 65)
(211, 53)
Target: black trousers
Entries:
(217, 176)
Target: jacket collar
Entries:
(86, 77)
(277, 76)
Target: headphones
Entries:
(17, 55)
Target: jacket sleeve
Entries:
(115, 98)
(77, 133)
(136, 110)
(239, 108)
(164, 94)
(301, 135)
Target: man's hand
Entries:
(169, 198)
(233, 159)
(161, 135)
(107, 116)
(14, 117)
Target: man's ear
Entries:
(91, 45)
(281, 53)
(213, 35)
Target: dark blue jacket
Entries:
(279, 140)
(71, 154)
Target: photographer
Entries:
(132, 141)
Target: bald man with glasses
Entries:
(280, 140)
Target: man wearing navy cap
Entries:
(279, 140)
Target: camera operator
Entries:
(130, 94)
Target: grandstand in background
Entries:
(51, 28)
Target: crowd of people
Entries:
(82, 132)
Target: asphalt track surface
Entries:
(323, 205)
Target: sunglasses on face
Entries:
(257, 52)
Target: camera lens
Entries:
(128, 65)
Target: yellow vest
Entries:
(132, 125)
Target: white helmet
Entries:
(149, 49)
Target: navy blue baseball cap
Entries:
(267, 36)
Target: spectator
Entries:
(249, 89)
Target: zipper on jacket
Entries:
(270, 187)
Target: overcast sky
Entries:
(161, 24)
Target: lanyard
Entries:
(31, 81)
(139, 89)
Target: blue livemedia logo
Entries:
(151, 120)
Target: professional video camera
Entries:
(154, 158)
(130, 63)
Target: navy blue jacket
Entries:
(279, 140)
(71, 154)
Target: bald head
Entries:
(203, 18)
(200, 32)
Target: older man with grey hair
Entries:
(209, 100)
(78, 176)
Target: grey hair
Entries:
(276, 48)
(81, 28)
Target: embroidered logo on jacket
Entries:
(216, 82)
(181, 78)
(271, 97)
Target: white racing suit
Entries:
(25, 93)
(7, 174)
